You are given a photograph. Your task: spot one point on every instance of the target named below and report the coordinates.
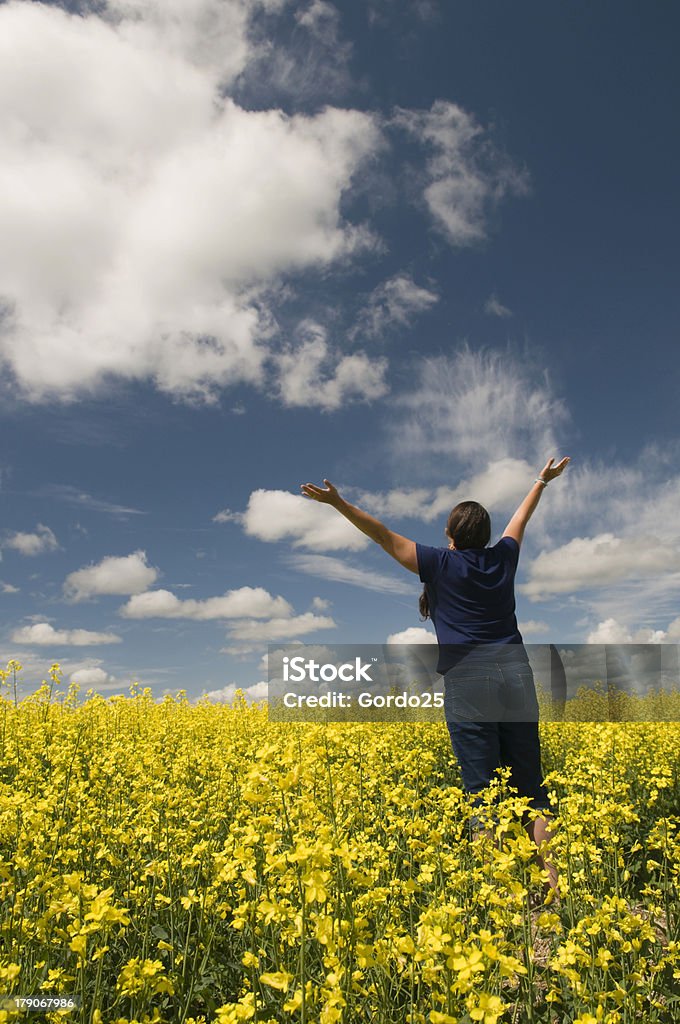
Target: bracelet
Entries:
(540, 480)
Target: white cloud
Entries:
(43, 634)
(127, 575)
(279, 515)
(494, 307)
(253, 602)
(253, 693)
(488, 421)
(145, 221)
(210, 35)
(33, 543)
(407, 502)
(596, 562)
(502, 485)
(272, 663)
(95, 678)
(8, 588)
(310, 375)
(279, 628)
(466, 175)
(394, 302)
(610, 631)
(533, 627)
(633, 564)
(335, 569)
(412, 635)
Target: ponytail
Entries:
(424, 605)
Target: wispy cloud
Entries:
(74, 496)
(394, 303)
(466, 174)
(309, 61)
(396, 12)
(494, 307)
(328, 568)
(474, 408)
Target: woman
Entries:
(469, 594)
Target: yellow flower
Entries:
(78, 944)
(315, 883)
(405, 944)
(278, 979)
(465, 966)
(488, 1009)
(234, 1013)
(604, 958)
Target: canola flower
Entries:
(177, 862)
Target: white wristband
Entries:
(540, 480)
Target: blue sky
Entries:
(415, 248)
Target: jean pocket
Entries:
(518, 697)
(471, 698)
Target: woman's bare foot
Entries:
(540, 833)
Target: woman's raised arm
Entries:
(517, 524)
(400, 548)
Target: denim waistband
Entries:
(479, 655)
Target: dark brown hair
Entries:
(468, 526)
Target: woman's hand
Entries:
(517, 524)
(328, 495)
(400, 548)
(549, 472)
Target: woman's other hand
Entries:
(328, 495)
(549, 472)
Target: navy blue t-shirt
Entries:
(471, 595)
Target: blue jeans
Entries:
(492, 716)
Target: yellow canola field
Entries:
(193, 862)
